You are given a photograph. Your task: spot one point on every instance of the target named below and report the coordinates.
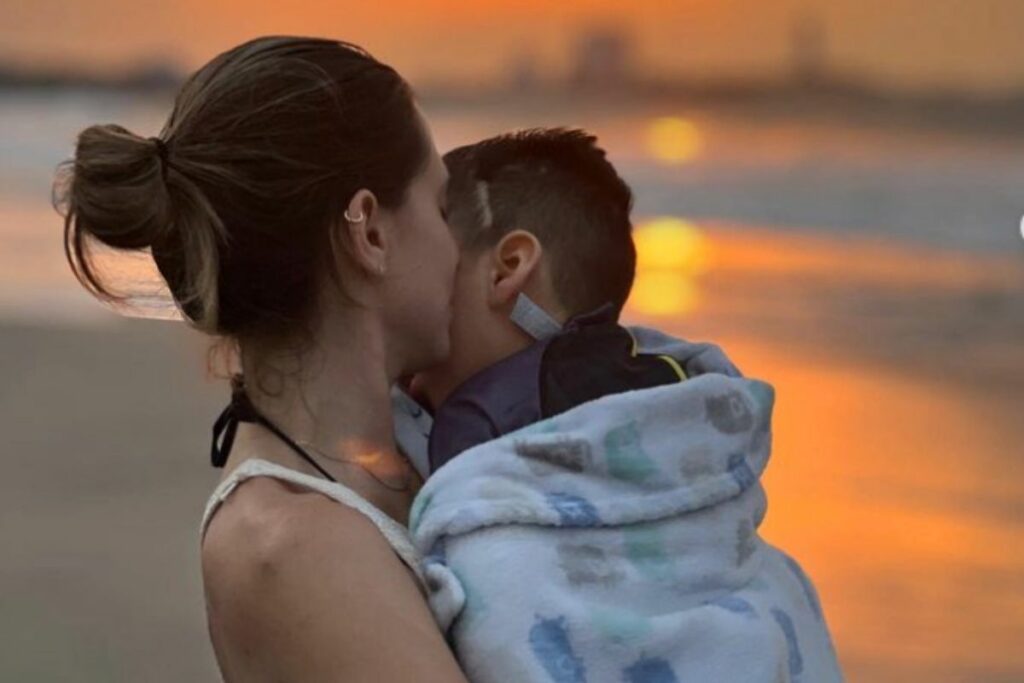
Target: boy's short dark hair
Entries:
(557, 184)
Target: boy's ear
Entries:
(514, 259)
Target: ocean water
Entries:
(955, 192)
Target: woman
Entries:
(294, 205)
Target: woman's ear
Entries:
(515, 258)
(367, 242)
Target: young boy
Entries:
(593, 491)
(543, 222)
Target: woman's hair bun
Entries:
(118, 189)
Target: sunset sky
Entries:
(975, 45)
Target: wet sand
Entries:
(897, 476)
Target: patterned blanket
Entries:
(618, 542)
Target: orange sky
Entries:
(969, 44)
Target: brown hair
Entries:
(264, 148)
(559, 185)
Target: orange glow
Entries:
(671, 243)
(480, 38)
(868, 477)
(740, 252)
(662, 293)
(674, 140)
(671, 253)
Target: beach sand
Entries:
(896, 477)
(106, 474)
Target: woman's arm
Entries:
(300, 588)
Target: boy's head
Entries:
(540, 212)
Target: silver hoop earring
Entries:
(352, 219)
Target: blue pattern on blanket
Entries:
(573, 510)
(796, 660)
(646, 548)
(620, 625)
(736, 605)
(549, 641)
(740, 471)
(625, 454)
(650, 670)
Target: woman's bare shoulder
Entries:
(267, 520)
(278, 542)
(300, 586)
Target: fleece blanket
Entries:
(618, 542)
(413, 424)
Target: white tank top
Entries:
(396, 534)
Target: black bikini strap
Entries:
(241, 409)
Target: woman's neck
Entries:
(336, 404)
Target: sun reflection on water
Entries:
(671, 253)
(674, 140)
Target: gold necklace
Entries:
(408, 468)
